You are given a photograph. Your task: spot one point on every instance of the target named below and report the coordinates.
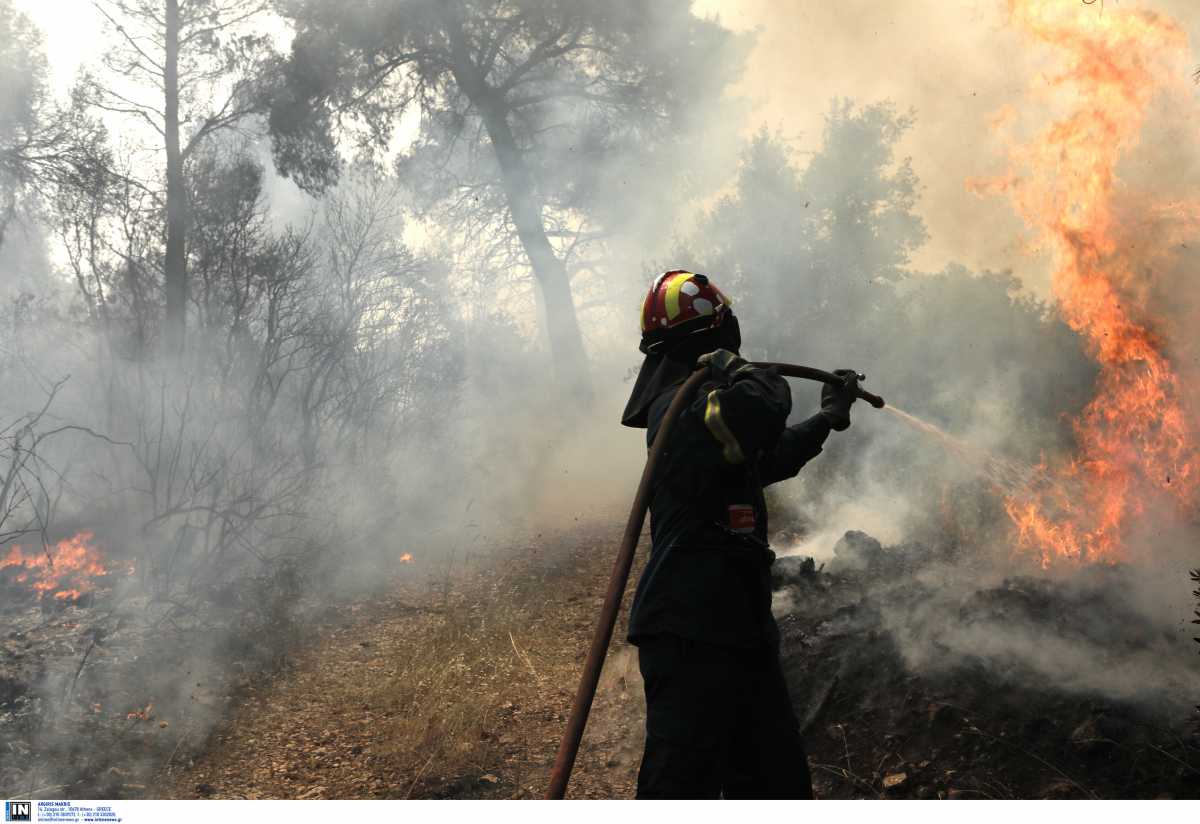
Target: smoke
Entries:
(1091, 635)
(367, 374)
(996, 369)
(346, 398)
(957, 67)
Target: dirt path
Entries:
(453, 684)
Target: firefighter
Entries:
(719, 721)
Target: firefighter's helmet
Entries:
(681, 303)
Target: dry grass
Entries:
(454, 684)
(453, 687)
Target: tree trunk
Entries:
(8, 213)
(561, 323)
(175, 268)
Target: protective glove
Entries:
(722, 364)
(837, 400)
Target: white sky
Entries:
(73, 34)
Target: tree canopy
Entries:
(544, 125)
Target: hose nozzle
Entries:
(820, 375)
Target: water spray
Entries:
(1009, 476)
(568, 748)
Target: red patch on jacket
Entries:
(741, 518)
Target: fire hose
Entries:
(568, 748)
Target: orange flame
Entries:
(68, 569)
(141, 714)
(1136, 444)
(406, 558)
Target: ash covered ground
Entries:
(917, 680)
(102, 690)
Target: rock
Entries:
(856, 550)
(792, 570)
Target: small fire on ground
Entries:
(65, 571)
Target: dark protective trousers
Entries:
(719, 723)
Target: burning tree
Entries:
(1137, 439)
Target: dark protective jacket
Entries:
(708, 575)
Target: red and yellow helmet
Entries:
(681, 303)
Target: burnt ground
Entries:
(492, 653)
(977, 725)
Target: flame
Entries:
(141, 714)
(1136, 444)
(68, 569)
(406, 558)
